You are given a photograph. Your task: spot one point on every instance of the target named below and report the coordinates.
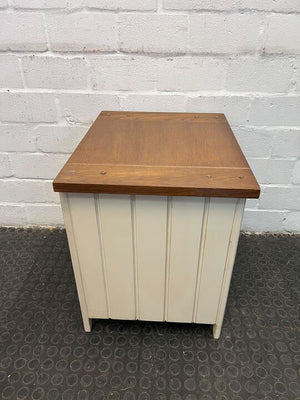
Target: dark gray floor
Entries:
(46, 355)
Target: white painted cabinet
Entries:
(156, 258)
(153, 204)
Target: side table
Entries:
(153, 204)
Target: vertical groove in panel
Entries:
(116, 227)
(102, 255)
(219, 226)
(187, 221)
(76, 251)
(86, 233)
(151, 235)
(201, 253)
(168, 245)
(134, 246)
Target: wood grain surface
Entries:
(173, 154)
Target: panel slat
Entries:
(116, 228)
(217, 236)
(234, 239)
(187, 215)
(151, 225)
(85, 230)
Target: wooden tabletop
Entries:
(171, 154)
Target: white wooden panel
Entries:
(116, 228)
(84, 221)
(151, 227)
(75, 261)
(187, 216)
(235, 233)
(216, 241)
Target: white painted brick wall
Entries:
(27, 107)
(260, 74)
(151, 102)
(181, 74)
(63, 61)
(80, 31)
(84, 108)
(47, 4)
(58, 139)
(126, 5)
(235, 107)
(11, 76)
(38, 165)
(123, 72)
(283, 34)
(54, 72)
(225, 33)
(17, 137)
(296, 173)
(153, 33)
(276, 111)
(286, 143)
(22, 31)
(5, 166)
(200, 5)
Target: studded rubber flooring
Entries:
(46, 355)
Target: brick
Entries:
(5, 166)
(27, 107)
(283, 34)
(296, 78)
(143, 5)
(10, 72)
(41, 166)
(12, 215)
(191, 73)
(87, 32)
(272, 170)
(263, 74)
(292, 222)
(68, 4)
(59, 139)
(227, 33)
(84, 108)
(29, 35)
(55, 72)
(286, 143)
(53, 197)
(254, 142)
(296, 174)
(200, 5)
(153, 33)
(272, 111)
(280, 198)
(17, 137)
(234, 107)
(47, 215)
(263, 221)
(28, 191)
(266, 5)
(163, 103)
(123, 72)
(270, 5)
(252, 203)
